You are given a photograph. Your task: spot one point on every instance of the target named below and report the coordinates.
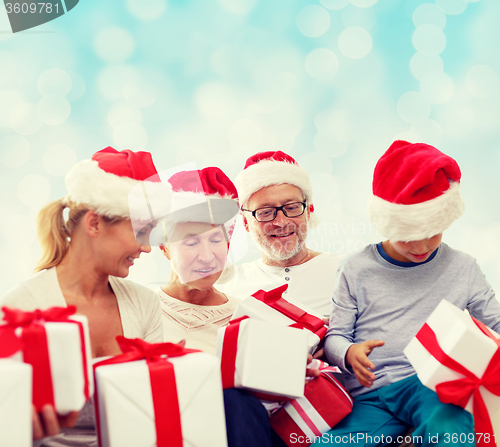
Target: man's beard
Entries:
(278, 252)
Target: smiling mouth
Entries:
(205, 272)
(282, 234)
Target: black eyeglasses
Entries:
(269, 213)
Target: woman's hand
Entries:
(357, 357)
(48, 423)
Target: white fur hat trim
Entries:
(115, 196)
(419, 221)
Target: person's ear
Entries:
(165, 251)
(245, 222)
(310, 209)
(92, 223)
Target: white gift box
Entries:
(270, 358)
(462, 340)
(254, 308)
(126, 413)
(15, 404)
(69, 369)
(68, 365)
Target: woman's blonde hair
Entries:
(54, 233)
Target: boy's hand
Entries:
(48, 423)
(357, 357)
(311, 371)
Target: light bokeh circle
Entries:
(452, 7)
(245, 132)
(53, 110)
(123, 112)
(130, 136)
(54, 82)
(355, 42)
(413, 107)
(429, 40)
(429, 14)
(313, 21)
(15, 151)
(437, 87)
(322, 64)
(9, 100)
(58, 159)
(114, 44)
(334, 4)
(33, 190)
(363, 3)
(24, 119)
(238, 7)
(147, 10)
(112, 80)
(482, 81)
(421, 65)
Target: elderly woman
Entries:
(111, 204)
(195, 238)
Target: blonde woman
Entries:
(86, 256)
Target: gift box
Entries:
(56, 344)
(263, 358)
(325, 403)
(459, 358)
(15, 404)
(159, 395)
(273, 308)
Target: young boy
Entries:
(386, 292)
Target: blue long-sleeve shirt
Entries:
(377, 299)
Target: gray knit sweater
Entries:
(375, 299)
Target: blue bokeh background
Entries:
(210, 82)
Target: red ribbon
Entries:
(33, 343)
(228, 360)
(303, 320)
(163, 385)
(229, 351)
(460, 391)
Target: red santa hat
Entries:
(416, 192)
(273, 168)
(206, 195)
(119, 184)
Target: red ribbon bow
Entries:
(14, 318)
(460, 391)
(163, 385)
(33, 343)
(303, 320)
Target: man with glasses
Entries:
(276, 202)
